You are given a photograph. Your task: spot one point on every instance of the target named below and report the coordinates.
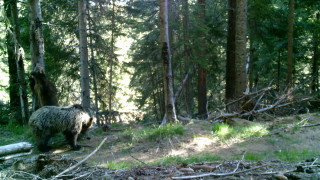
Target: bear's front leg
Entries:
(43, 143)
(72, 140)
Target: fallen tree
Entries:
(15, 148)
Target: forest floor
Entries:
(287, 150)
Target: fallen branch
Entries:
(250, 94)
(311, 125)
(190, 119)
(218, 174)
(277, 104)
(83, 160)
(15, 155)
(29, 174)
(15, 148)
(138, 160)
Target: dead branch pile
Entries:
(46, 166)
(266, 100)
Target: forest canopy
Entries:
(125, 66)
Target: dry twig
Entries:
(83, 160)
(219, 174)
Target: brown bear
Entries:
(43, 89)
(50, 120)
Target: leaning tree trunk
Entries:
(230, 65)
(170, 110)
(290, 44)
(84, 72)
(19, 59)
(202, 82)
(36, 41)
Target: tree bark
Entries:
(36, 35)
(290, 44)
(240, 49)
(84, 72)
(202, 82)
(36, 41)
(19, 64)
(315, 61)
(13, 78)
(112, 59)
(251, 61)
(188, 96)
(230, 65)
(170, 109)
(94, 72)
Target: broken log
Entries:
(15, 148)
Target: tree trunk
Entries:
(19, 64)
(240, 50)
(315, 61)
(189, 65)
(251, 61)
(112, 59)
(36, 41)
(15, 148)
(202, 82)
(236, 75)
(170, 109)
(84, 72)
(278, 70)
(230, 65)
(94, 72)
(290, 44)
(13, 78)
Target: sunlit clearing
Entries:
(198, 144)
(224, 131)
(178, 152)
(256, 131)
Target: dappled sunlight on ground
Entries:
(201, 143)
(199, 139)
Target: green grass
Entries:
(225, 131)
(119, 165)
(154, 133)
(295, 155)
(12, 133)
(254, 157)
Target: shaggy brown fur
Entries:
(45, 90)
(50, 120)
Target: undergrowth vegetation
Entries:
(225, 131)
(13, 133)
(154, 133)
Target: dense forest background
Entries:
(125, 61)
